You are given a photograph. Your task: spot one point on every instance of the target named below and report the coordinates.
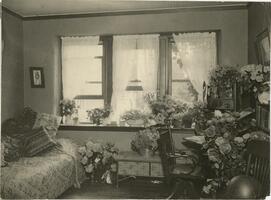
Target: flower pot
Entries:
(67, 120)
(135, 122)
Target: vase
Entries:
(68, 120)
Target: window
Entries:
(119, 70)
(84, 73)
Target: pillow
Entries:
(48, 121)
(12, 148)
(37, 141)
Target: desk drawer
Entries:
(133, 168)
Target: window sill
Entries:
(88, 127)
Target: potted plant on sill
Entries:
(96, 115)
(68, 108)
(135, 118)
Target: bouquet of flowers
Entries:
(254, 77)
(99, 160)
(145, 140)
(225, 148)
(224, 76)
(68, 107)
(97, 114)
(165, 108)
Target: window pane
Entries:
(87, 104)
(181, 85)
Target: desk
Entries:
(131, 164)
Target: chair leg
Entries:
(175, 188)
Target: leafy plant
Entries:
(97, 114)
(165, 109)
(99, 160)
(134, 115)
(68, 107)
(145, 139)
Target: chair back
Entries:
(166, 148)
(258, 163)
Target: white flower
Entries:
(238, 139)
(259, 78)
(218, 113)
(84, 160)
(97, 160)
(89, 153)
(266, 69)
(82, 150)
(246, 136)
(89, 168)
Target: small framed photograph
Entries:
(263, 47)
(37, 77)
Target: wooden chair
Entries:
(258, 164)
(256, 179)
(188, 172)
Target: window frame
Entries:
(106, 60)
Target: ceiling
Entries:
(32, 8)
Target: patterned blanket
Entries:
(43, 177)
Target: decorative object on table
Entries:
(222, 89)
(135, 118)
(145, 141)
(165, 108)
(68, 108)
(37, 77)
(96, 115)
(99, 160)
(225, 148)
(263, 47)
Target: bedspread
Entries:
(46, 176)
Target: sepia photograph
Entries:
(135, 99)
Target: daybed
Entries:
(43, 176)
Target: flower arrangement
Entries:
(145, 140)
(68, 107)
(224, 76)
(136, 116)
(225, 148)
(165, 109)
(97, 114)
(254, 77)
(99, 160)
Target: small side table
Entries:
(130, 164)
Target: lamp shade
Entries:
(134, 85)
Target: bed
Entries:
(45, 176)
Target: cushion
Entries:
(12, 148)
(37, 141)
(48, 121)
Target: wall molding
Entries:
(131, 12)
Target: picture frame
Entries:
(263, 47)
(37, 77)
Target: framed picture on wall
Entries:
(263, 47)
(37, 77)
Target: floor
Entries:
(128, 189)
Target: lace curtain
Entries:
(76, 59)
(198, 56)
(135, 57)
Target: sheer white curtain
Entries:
(76, 58)
(134, 57)
(198, 55)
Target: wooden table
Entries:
(131, 165)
